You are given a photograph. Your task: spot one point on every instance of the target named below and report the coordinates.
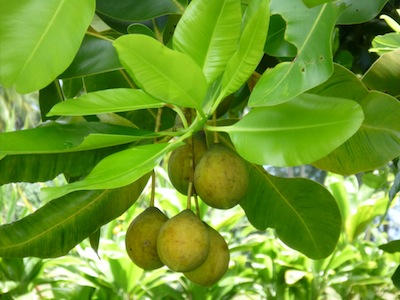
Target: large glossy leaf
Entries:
(59, 225)
(360, 11)
(250, 49)
(304, 214)
(296, 132)
(209, 32)
(376, 142)
(165, 74)
(384, 74)
(116, 170)
(43, 167)
(137, 10)
(96, 55)
(106, 101)
(55, 138)
(309, 30)
(42, 40)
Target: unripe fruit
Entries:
(183, 242)
(181, 160)
(141, 238)
(221, 177)
(216, 263)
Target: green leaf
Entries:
(276, 45)
(48, 97)
(42, 40)
(386, 43)
(105, 101)
(96, 55)
(384, 74)
(116, 170)
(137, 10)
(165, 74)
(376, 142)
(396, 277)
(296, 132)
(59, 225)
(360, 11)
(310, 30)
(304, 214)
(43, 167)
(312, 3)
(54, 137)
(250, 49)
(208, 32)
(391, 247)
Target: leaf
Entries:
(42, 40)
(391, 247)
(384, 74)
(276, 45)
(296, 132)
(54, 137)
(48, 97)
(304, 214)
(96, 55)
(360, 11)
(105, 101)
(389, 42)
(312, 3)
(396, 277)
(208, 32)
(43, 167)
(59, 225)
(310, 31)
(137, 10)
(116, 170)
(376, 142)
(163, 73)
(94, 240)
(250, 49)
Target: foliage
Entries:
(259, 76)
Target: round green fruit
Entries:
(183, 242)
(216, 263)
(221, 178)
(181, 161)
(141, 238)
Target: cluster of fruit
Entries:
(184, 243)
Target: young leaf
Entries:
(376, 142)
(165, 74)
(250, 49)
(116, 170)
(208, 32)
(304, 214)
(40, 48)
(309, 29)
(59, 225)
(105, 101)
(296, 132)
(56, 138)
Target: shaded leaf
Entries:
(48, 97)
(165, 74)
(59, 225)
(136, 10)
(208, 32)
(309, 30)
(54, 35)
(105, 101)
(276, 45)
(360, 11)
(384, 74)
(396, 277)
(376, 142)
(391, 247)
(96, 55)
(250, 48)
(54, 137)
(304, 214)
(43, 167)
(94, 240)
(296, 132)
(116, 170)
